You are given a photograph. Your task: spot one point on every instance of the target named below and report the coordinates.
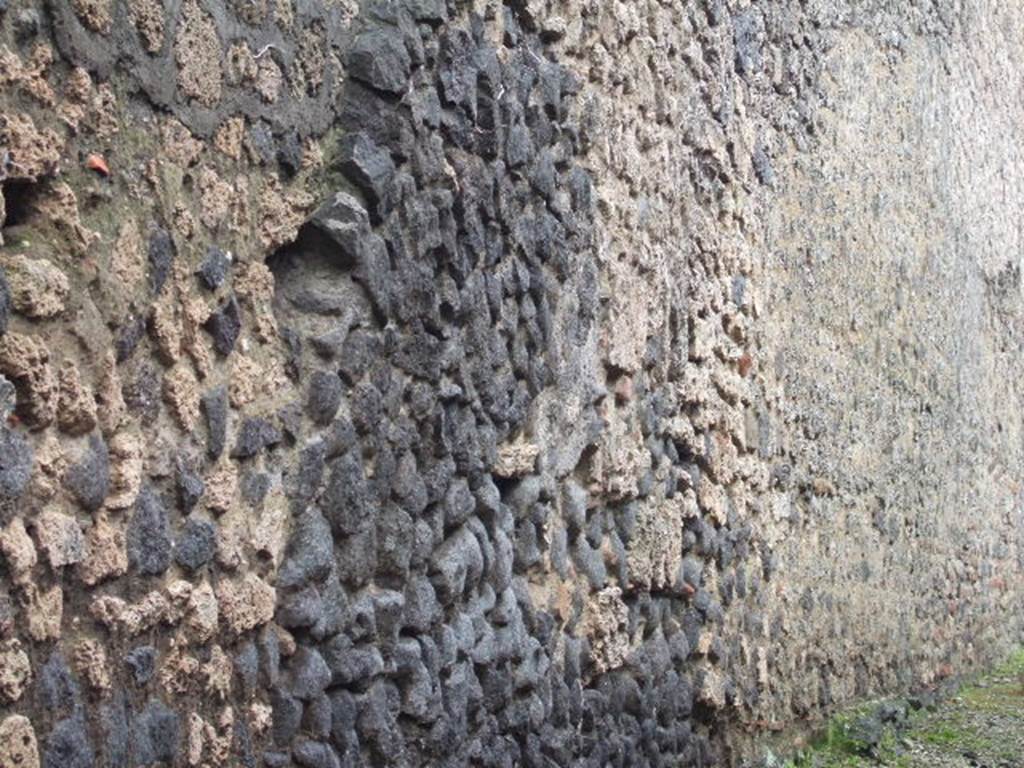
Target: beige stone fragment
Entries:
(194, 313)
(217, 673)
(60, 538)
(246, 603)
(221, 483)
(126, 466)
(117, 615)
(713, 500)
(106, 112)
(711, 688)
(45, 611)
(231, 540)
(128, 259)
(198, 53)
(180, 146)
(604, 623)
(179, 597)
(95, 14)
(260, 718)
(254, 282)
(26, 360)
(219, 739)
(111, 409)
(18, 550)
(516, 459)
(49, 468)
(18, 748)
(29, 74)
(61, 206)
(39, 289)
(166, 328)
(194, 739)
(181, 391)
(270, 531)
(229, 137)
(91, 662)
(15, 671)
(202, 615)
(33, 153)
(179, 671)
(76, 406)
(655, 551)
(148, 17)
(281, 215)
(79, 85)
(214, 198)
(253, 379)
(106, 556)
(183, 222)
(269, 79)
(241, 209)
(241, 64)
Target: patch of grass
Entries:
(978, 719)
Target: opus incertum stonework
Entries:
(482, 383)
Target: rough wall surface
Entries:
(479, 383)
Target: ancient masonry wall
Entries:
(467, 382)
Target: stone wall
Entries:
(538, 382)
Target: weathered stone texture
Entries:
(468, 382)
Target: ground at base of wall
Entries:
(980, 725)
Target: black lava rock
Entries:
(57, 688)
(190, 486)
(289, 153)
(378, 58)
(255, 435)
(214, 268)
(15, 463)
(215, 408)
(89, 479)
(148, 539)
(310, 553)
(68, 745)
(224, 326)
(196, 545)
(141, 662)
(155, 734)
(325, 391)
(128, 337)
(366, 165)
(161, 256)
(346, 499)
(308, 674)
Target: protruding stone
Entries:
(15, 464)
(215, 408)
(214, 268)
(60, 538)
(18, 550)
(366, 165)
(149, 535)
(15, 671)
(325, 392)
(18, 747)
(378, 58)
(89, 479)
(247, 603)
(106, 556)
(38, 288)
(196, 545)
(224, 326)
